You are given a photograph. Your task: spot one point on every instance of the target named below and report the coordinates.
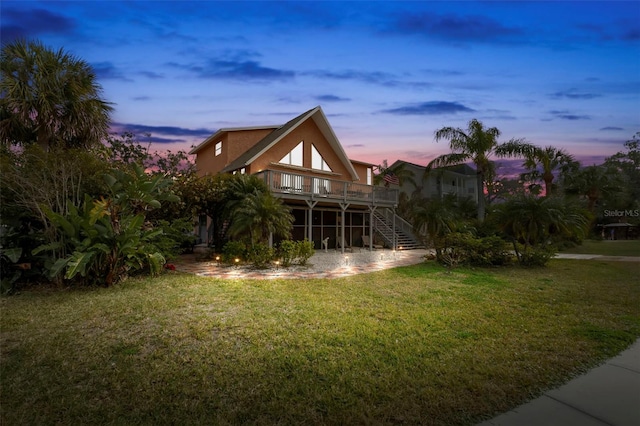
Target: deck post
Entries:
(311, 204)
(394, 228)
(343, 207)
(372, 209)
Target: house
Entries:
(304, 164)
(460, 180)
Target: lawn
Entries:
(607, 248)
(412, 345)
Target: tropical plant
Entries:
(434, 219)
(541, 163)
(532, 223)
(627, 163)
(109, 238)
(593, 183)
(260, 215)
(49, 97)
(477, 144)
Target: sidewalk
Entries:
(597, 257)
(607, 395)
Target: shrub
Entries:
(295, 252)
(177, 237)
(304, 251)
(287, 251)
(234, 250)
(260, 255)
(536, 256)
(464, 248)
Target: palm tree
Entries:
(477, 144)
(435, 219)
(593, 183)
(259, 215)
(541, 163)
(49, 97)
(532, 221)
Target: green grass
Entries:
(410, 345)
(607, 248)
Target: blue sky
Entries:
(387, 74)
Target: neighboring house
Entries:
(460, 180)
(304, 164)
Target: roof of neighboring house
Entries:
(274, 137)
(216, 135)
(463, 169)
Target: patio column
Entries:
(311, 205)
(394, 227)
(343, 207)
(372, 209)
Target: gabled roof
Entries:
(274, 137)
(220, 132)
(463, 169)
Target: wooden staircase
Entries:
(383, 224)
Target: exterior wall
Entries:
(234, 144)
(361, 170)
(207, 163)
(441, 182)
(310, 134)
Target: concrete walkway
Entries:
(607, 395)
(597, 257)
(323, 264)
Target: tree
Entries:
(540, 163)
(50, 98)
(259, 215)
(532, 221)
(109, 237)
(592, 183)
(435, 219)
(477, 144)
(628, 165)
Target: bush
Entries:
(304, 251)
(261, 255)
(234, 250)
(295, 252)
(287, 252)
(177, 237)
(464, 248)
(536, 256)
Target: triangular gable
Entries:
(216, 136)
(274, 137)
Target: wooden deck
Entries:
(302, 187)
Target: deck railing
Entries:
(315, 187)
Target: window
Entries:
(294, 157)
(369, 176)
(243, 171)
(317, 162)
(218, 148)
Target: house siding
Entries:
(309, 133)
(234, 144)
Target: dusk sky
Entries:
(387, 74)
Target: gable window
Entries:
(369, 176)
(317, 162)
(294, 157)
(218, 148)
